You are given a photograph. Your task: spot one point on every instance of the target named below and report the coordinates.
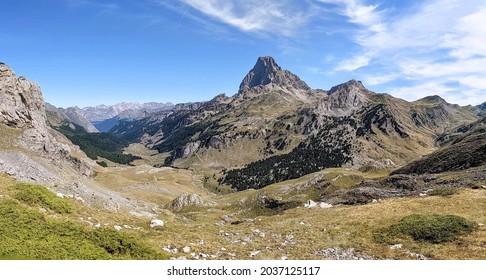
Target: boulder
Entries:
(156, 223)
(325, 205)
(310, 204)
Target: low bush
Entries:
(431, 228)
(36, 195)
(444, 191)
(29, 234)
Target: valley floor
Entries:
(270, 223)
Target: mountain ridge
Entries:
(274, 120)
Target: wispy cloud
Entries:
(268, 17)
(440, 42)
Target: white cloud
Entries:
(374, 79)
(440, 42)
(273, 17)
(353, 63)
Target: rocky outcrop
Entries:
(348, 96)
(187, 200)
(22, 106)
(188, 149)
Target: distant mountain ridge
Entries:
(102, 118)
(277, 128)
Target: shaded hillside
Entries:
(57, 117)
(98, 144)
(465, 151)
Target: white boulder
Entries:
(156, 223)
(310, 204)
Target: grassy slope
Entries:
(317, 229)
(36, 224)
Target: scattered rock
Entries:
(118, 227)
(423, 194)
(480, 224)
(171, 250)
(338, 253)
(60, 195)
(247, 220)
(396, 246)
(226, 218)
(310, 204)
(97, 225)
(186, 249)
(127, 226)
(325, 205)
(254, 253)
(157, 223)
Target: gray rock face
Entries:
(267, 71)
(21, 104)
(23, 168)
(346, 97)
(186, 200)
(188, 149)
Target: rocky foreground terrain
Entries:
(277, 171)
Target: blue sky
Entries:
(89, 52)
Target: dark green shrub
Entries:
(444, 191)
(36, 195)
(29, 234)
(432, 228)
(102, 163)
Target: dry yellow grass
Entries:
(317, 229)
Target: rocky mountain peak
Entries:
(5, 71)
(267, 71)
(349, 95)
(347, 87)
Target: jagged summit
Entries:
(267, 71)
(348, 86)
(347, 96)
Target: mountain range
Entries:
(274, 171)
(102, 118)
(277, 128)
